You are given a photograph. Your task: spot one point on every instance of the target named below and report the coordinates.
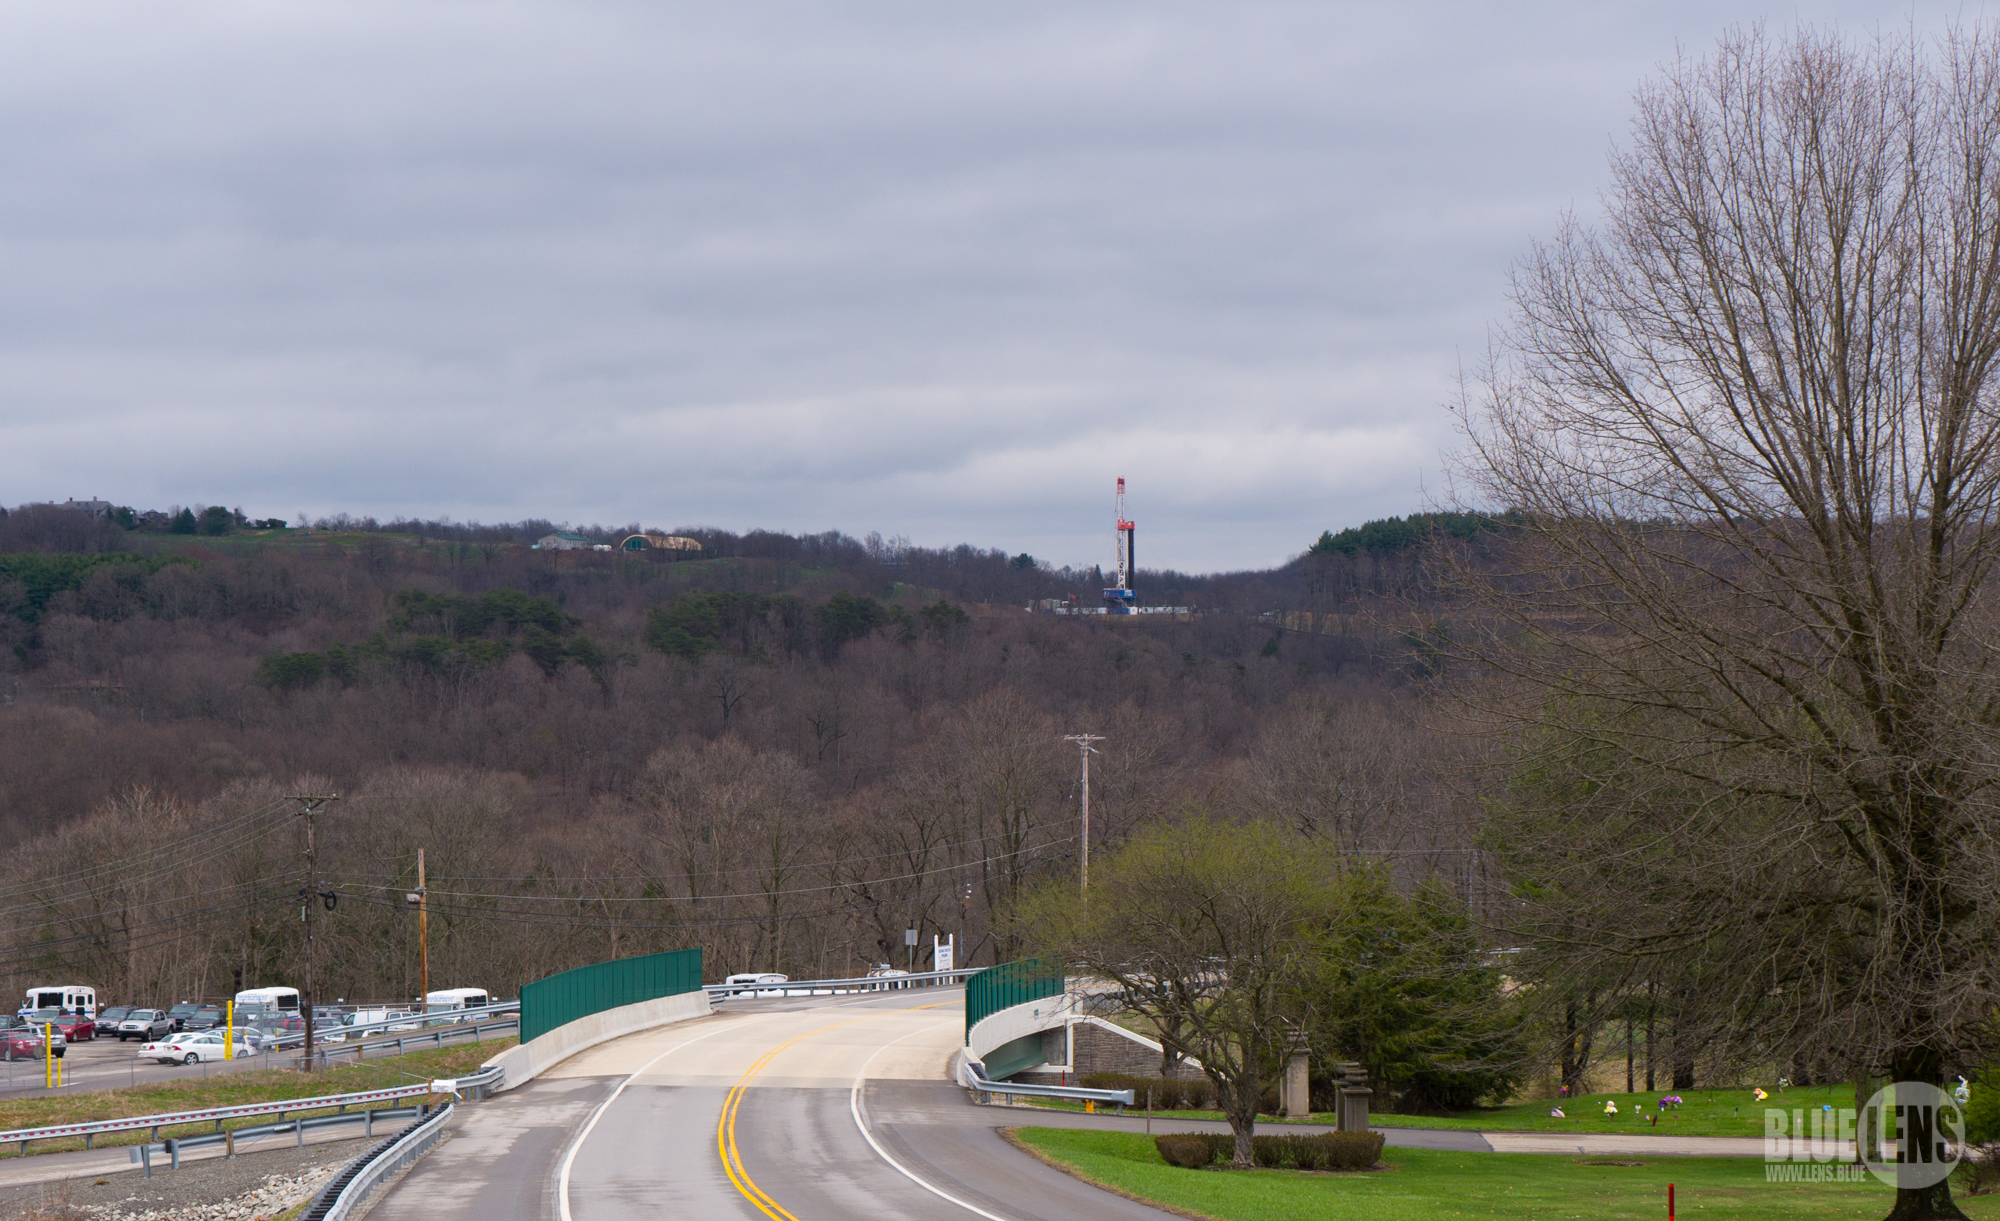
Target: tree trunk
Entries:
(1933, 1203)
(1575, 1050)
(1649, 1037)
(1240, 1107)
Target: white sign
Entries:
(941, 952)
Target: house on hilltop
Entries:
(562, 542)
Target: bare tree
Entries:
(1215, 933)
(1751, 425)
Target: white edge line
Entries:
(854, 1105)
(569, 1157)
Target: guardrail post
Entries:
(299, 1128)
(368, 1123)
(174, 1151)
(229, 1144)
(145, 1160)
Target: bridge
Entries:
(807, 1101)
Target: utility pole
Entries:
(1083, 742)
(308, 806)
(423, 938)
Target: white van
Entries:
(70, 998)
(369, 1017)
(282, 1001)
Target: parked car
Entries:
(145, 1025)
(192, 1047)
(179, 1014)
(76, 1028)
(755, 977)
(25, 1042)
(111, 1015)
(36, 1023)
(206, 1017)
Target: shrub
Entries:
(1189, 1152)
(1350, 1150)
(1222, 1145)
(1982, 1114)
(1169, 1094)
(1270, 1152)
(1307, 1152)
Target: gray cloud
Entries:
(934, 270)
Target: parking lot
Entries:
(105, 1063)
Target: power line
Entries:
(548, 920)
(720, 873)
(144, 858)
(755, 894)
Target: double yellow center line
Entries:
(725, 1128)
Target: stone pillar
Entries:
(1354, 1094)
(1295, 1086)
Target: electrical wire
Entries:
(756, 894)
(542, 920)
(207, 836)
(221, 849)
(30, 955)
(720, 873)
(143, 858)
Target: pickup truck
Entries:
(145, 1025)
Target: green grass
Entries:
(1705, 1112)
(1429, 1183)
(232, 1089)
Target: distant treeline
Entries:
(1391, 535)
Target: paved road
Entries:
(819, 1109)
(765, 1111)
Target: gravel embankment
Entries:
(243, 1188)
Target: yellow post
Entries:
(1090, 1106)
(48, 1056)
(229, 1029)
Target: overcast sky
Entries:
(938, 270)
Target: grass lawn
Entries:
(1428, 1183)
(1705, 1112)
(232, 1089)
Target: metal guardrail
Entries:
(443, 1020)
(481, 1083)
(837, 987)
(174, 1146)
(345, 1194)
(215, 1115)
(970, 1076)
(437, 1034)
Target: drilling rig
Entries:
(1121, 599)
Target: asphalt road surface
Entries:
(797, 1109)
(803, 1108)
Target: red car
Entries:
(24, 1042)
(76, 1027)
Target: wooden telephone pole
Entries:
(1083, 741)
(420, 899)
(423, 938)
(308, 806)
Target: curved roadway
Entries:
(802, 1109)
